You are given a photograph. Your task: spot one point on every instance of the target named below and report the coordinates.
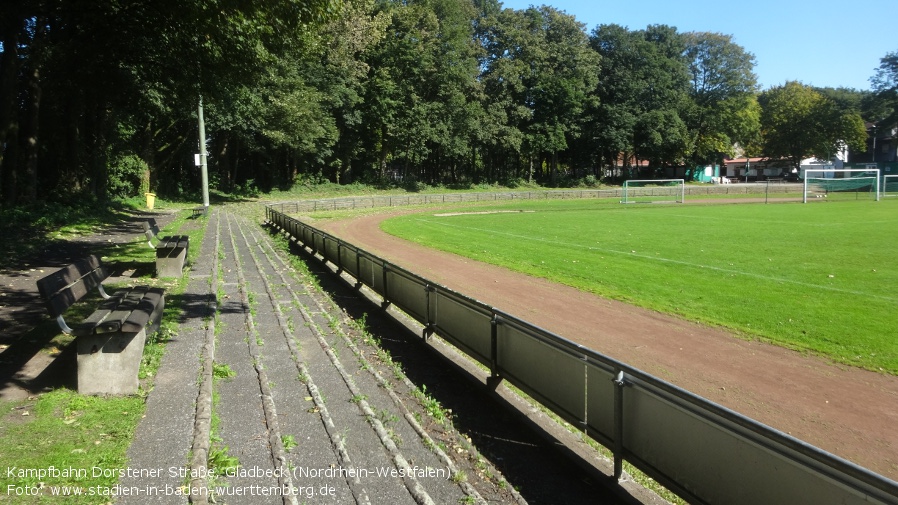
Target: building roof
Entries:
(736, 161)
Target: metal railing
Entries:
(370, 202)
(700, 450)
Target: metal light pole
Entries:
(204, 169)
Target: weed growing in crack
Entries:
(289, 442)
(220, 462)
(431, 405)
(395, 437)
(222, 371)
(386, 417)
(459, 477)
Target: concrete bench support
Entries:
(109, 363)
(110, 341)
(170, 261)
(171, 251)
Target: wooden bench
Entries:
(171, 251)
(199, 211)
(109, 341)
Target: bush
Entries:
(128, 176)
(247, 190)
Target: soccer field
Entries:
(815, 277)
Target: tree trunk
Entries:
(73, 174)
(95, 136)
(530, 172)
(32, 116)
(235, 164)
(10, 166)
(148, 155)
(554, 174)
(223, 159)
(346, 164)
(9, 69)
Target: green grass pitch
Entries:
(815, 277)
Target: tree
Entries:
(885, 86)
(401, 96)
(643, 79)
(88, 83)
(722, 91)
(341, 73)
(540, 73)
(661, 137)
(504, 69)
(563, 76)
(798, 122)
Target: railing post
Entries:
(358, 270)
(621, 382)
(428, 323)
(495, 378)
(339, 257)
(386, 299)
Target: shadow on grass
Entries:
(58, 365)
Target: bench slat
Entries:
(151, 304)
(118, 311)
(173, 241)
(127, 311)
(103, 317)
(61, 288)
(89, 324)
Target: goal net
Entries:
(654, 191)
(889, 186)
(844, 184)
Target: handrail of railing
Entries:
(700, 450)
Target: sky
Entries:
(824, 43)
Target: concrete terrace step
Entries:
(313, 404)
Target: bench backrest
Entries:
(67, 285)
(150, 229)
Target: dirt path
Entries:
(847, 411)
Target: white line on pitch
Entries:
(666, 260)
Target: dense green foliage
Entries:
(885, 84)
(101, 98)
(800, 122)
(729, 265)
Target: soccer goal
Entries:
(654, 191)
(889, 186)
(841, 184)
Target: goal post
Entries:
(653, 191)
(889, 186)
(841, 184)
